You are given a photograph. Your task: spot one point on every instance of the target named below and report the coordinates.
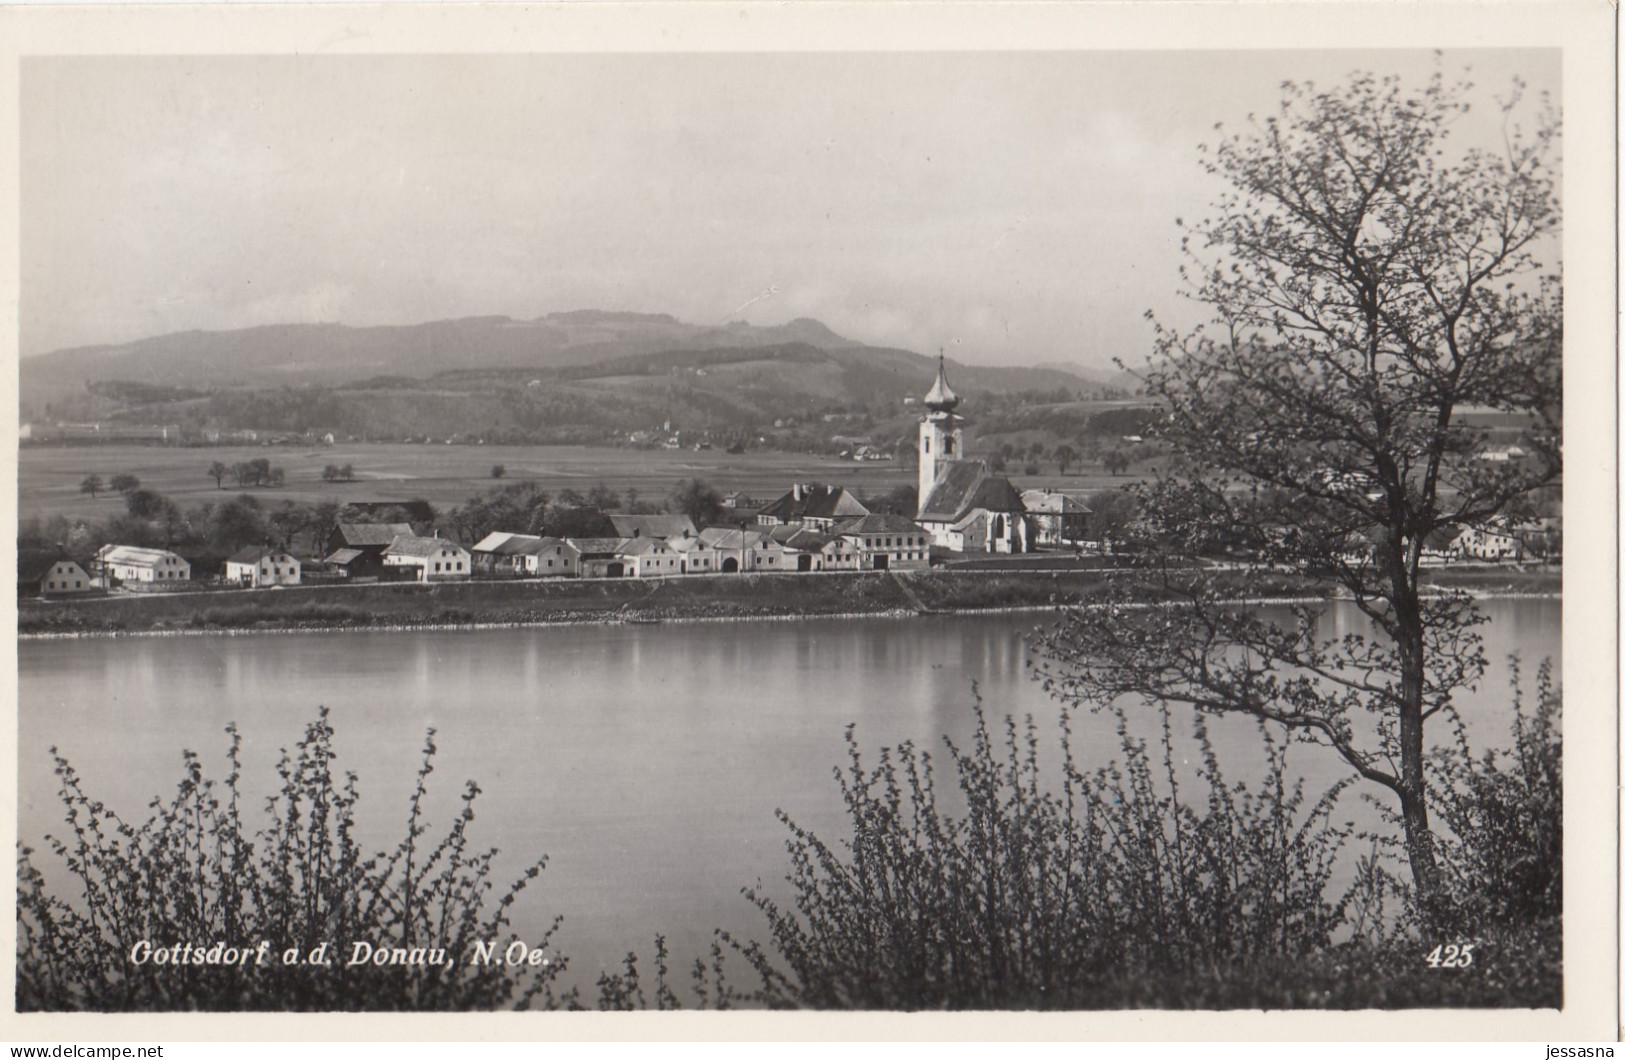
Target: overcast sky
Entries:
(1017, 208)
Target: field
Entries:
(447, 475)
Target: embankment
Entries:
(515, 603)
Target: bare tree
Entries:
(1368, 283)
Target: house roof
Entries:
(131, 556)
(638, 546)
(344, 556)
(816, 502)
(966, 485)
(880, 524)
(524, 545)
(353, 534)
(663, 526)
(723, 539)
(1052, 502)
(492, 542)
(34, 564)
(408, 545)
(253, 554)
(597, 546)
(798, 538)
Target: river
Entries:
(646, 761)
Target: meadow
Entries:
(447, 475)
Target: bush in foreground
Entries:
(1132, 887)
(197, 871)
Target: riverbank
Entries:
(726, 597)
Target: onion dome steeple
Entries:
(941, 397)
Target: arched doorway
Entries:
(804, 562)
(615, 570)
(730, 566)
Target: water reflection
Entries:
(646, 761)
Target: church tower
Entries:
(942, 431)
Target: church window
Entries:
(928, 445)
(948, 445)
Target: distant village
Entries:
(965, 509)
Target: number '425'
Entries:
(1455, 955)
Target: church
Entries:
(963, 505)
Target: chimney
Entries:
(795, 491)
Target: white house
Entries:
(649, 557)
(546, 557)
(434, 558)
(259, 565)
(744, 550)
(48, 575)
(142, 567)
(888, 542)
(1477, 542)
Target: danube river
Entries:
(645, 761)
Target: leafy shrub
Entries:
(197, 873)
(1504, 815)
(1117, 890)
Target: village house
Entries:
(45, 573)
(649, 557)
(812, 505)
(963, 505)
(810, 550)
(430, 558)
(1055, 518)
(599, 557)
(545, 557)
(141, 568)
(260, 565)
(356, 550)
(1477, 542)
(888, 542)
(693, 557)
(739, 551)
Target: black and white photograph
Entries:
(806, 515)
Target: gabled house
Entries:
(258, 566)
(739, 551)
(430, 558)
(888, 542)
(1480, 542)
(600, 557)
(1055, 518)
(142, 568)
(356, 550)
(649, 557)
(48, 573)
(545, 557)
(812, 505)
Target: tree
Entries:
(696, 499)
(92, 484)
(1065, 457)
(1116, 461)
(1367, 283)
(330, 473)
(124, 482)
(218, 472)
(498, 470)
(144, 504)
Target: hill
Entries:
(581, 376)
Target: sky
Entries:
(1015, 208)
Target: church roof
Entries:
(966, 485)
(941, 396)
